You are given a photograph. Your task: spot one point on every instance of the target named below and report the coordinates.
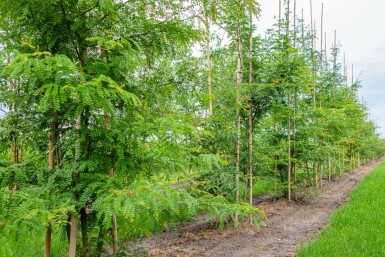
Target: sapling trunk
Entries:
(114, 235)
(288, 154)
(114, 227)
(321, 61)
(238, 118)
(10, 115)
(47, 241)
(294, 166)
(208, 56)
(51, 166)
(84, 231)
(73, 222)
(73, 232)
(251, 111)
(289, 116)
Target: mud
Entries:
(289, 225)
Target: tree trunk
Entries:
(208, 56)
(16, 148)
(51, 150)
(84, 228)
(51, 166)
(10, 149)
(238, 118)
(114, 227)
(73, 232)
(288, 154)
(47, 241)
(114, 235)
(251, 111)
(289, 116)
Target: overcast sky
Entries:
(359, 25)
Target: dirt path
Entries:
(289, 225)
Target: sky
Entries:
(359, 26)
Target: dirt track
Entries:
(289, 225)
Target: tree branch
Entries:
(39, 28)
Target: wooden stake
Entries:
(335, 51)
(345, 78)
(312, 53)
(321, 62)
(303, 31)
(326, 55)
(294, 24)
(279, 19)
(322, 20)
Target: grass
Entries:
(358, 228)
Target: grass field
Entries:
(358, 228)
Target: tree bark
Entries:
(51, 166)
(288, 151)
(251, 111)
(47, 241)
(114, 235)
(84, 226)
(208, 56)
(51, 150)
(73, 232)
(114, 227)
(238, 118)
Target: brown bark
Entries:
(114, 227)
(51, 150)
(251, 112)
(288, 154)
(16, 149)
(47, 241)
(238, 118)
(73, 232)
(114, 235)
(84, 226)
(51, 166)
(208, 56)
(288, 118)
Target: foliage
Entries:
(106, 114)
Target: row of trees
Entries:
(112, 123)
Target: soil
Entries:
(288, 226)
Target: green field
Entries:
(356, 229)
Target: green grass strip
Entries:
(358, 228)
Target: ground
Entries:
(289, 225)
